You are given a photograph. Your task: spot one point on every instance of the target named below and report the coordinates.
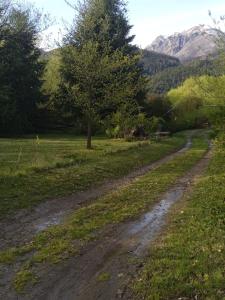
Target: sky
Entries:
(150, 18)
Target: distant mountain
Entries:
(154, 62)
(196, 43)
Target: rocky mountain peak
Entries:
(196, 42)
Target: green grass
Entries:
(104, 277)
(189, 261)
(22, 278)
(62, 241)
(33, 170)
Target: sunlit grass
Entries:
(22, 155)
(35, 169)
(189, 262)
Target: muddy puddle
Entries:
(143, 231)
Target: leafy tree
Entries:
(197, 101)
(123, 122)
(51, 75)
(212, 90)
(158, 106)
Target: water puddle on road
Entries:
(53, 221)
(140, 233)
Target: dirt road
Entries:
(21, 227)
(105, 267)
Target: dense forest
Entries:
(167, 79)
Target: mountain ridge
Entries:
(198, 42)
(154, 62)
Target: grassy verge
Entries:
(60, 242)
(49, 168)
(189, 262)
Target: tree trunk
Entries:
(89, 135)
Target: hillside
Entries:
(154, 62)
(165, 80)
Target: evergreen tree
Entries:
(20, 71)
(104, 22)
(100, 68)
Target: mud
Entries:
(20, 228)
(105, 267)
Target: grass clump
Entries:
(188, 263)
(104, 277)
(23, 278)
(55, 251)
(9, 256)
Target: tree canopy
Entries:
(99, 66)
(20, 69)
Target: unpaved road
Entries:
(105, 267)
(20, 228)
(116, 257)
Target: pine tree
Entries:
(100, 66)
(20, 71)
(104, 22)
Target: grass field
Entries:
(60, 242)
(189, 261)
(36, 169)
